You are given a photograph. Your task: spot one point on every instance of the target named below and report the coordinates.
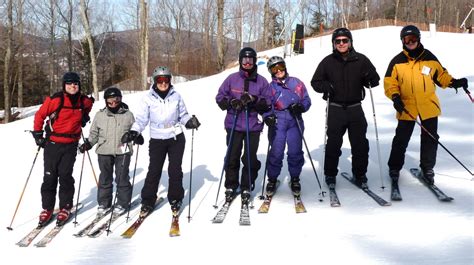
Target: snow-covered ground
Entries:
(417, 230)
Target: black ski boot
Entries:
(361, 181)
(175, 206)
(271, 187)
(146, 209)
(245, 197)
(229, 195)
(394, 175)
(295, 185)
(330, 180)
(429, 174)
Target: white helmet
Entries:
(161, 71)
(274, 60)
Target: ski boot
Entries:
(271, 187)
(45, 217)
(63, 215)
(361, 181)
(428, 174)
(229, 195)
(295, 186)
(245, 196)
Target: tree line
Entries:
(120, 42)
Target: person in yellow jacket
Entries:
(410, 82)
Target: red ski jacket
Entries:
(64, 121)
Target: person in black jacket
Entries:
(341, 77)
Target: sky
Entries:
(417, 230)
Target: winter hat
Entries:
(409, 30)
(341, 32)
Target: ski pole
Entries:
(24, 188)
(468, 93)
(122, 166)
(79, 189)
(434, 138)
(133, 181)
(90, 161)
(321, 193)
(376, 137)
(325, 140)
(247, 142)
(191, 176)
(266, 164)
(226, 158)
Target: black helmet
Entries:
(341, 32)
(71, 77)
(112, 92)
(247, 52)
(409, 30)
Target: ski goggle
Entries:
(278, 67)
(339, 41)
(247, 61)
(162, 79)
(113, 101)
(410, 39)
(71, 83)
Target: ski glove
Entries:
(129, 136)
(236, 104)
(246, 98)
(86, 146)
(271, 120)
(193, 123)
(223, 104)
(139, 140)
(327, 87)
(296, 109)
(398, 103)
(39, 139)
(457, 83)
(371, 80)
(261, 106)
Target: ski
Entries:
(244, 215)
(371, 194)
(91, 225)
(265, 207)
(57, 228)
(174, 230)
(141, 218)
(221, 214)
(26, 241)
(299, 206)
(439, 193)
(395, 194)
(102, 228)
(333, 199)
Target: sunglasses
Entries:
(410, 39)
(278, 67)
(113, 101)
(162, 79)
(72, 83)
(247, 61)
(338, 41)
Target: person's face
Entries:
(279, 70)
(247, 63)
(162, 82)
(411, 41)
(71, 87)
(342, 44)
(113, 102)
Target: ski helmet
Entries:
(247, 52)
(161, 71)
(273, 61)
(341, 32)
(410, 30)
(112, 92)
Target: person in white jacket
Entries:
(164, 110)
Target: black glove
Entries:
(371, 79)
(139, 140)
(261, 106)
(39, 139)
(398, 103)
(192, 123)
(129, 136)
(236, 104)
(86, 146)
(296, 109)
(327, 88)
(246, 98)
(223, 104)
(85, 120)
(270, 120)
(457, 83)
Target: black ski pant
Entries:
(428, 148)
(352, 119)
(122, 180)
(158, 150)
(233, 164)
(59, 161)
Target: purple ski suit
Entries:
(285, 92)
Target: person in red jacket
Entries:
(67, 112)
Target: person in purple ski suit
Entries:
(289, 100)
(243, 93)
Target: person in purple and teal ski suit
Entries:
(289, 100)
(242, 91)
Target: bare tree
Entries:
(143, 44)
(67, 17)
(21, 45)
(8, 56)
(87, 29)
(220, 35)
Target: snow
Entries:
(417, 230)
